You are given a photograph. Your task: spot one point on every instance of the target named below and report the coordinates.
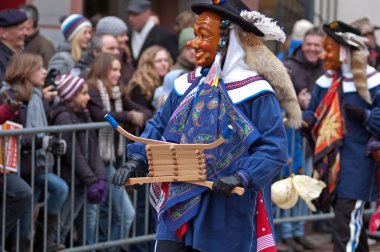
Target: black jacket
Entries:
(302, 72)
(158, 36)
(5, 55)
(89, 167)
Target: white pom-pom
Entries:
(266, 25)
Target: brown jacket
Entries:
(38, 44)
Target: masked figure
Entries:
(238, 82)
(343, 114)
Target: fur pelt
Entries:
(260, 59)
(358, 65)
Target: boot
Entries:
(293, 244)
(51, 245)
(306, 244)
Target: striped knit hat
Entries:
(68, 86)
(70, 25)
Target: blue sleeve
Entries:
(268, 154)
(155, 127)
(373, 118)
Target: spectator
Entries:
(298, 32)
(368, 30)
(154, 63)
(304, 67)
(24, 78)
(89, 168)
(185, 63)
(116, 27)
(12, 36)
(34, 41)
(346, 100)
(77, 32)
(162, 92)
(202, 104)
(184, 20)
(145, 33)
(186, 57)
(18, 196)
(106, 97)
(99, 44)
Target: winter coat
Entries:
(38, 44)
(89, 166)
(302, 72)
(62, 60)
(5, 55)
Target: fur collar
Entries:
(260, 59)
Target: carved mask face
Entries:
(206, 41)
(331, 53)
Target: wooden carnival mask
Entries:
(207, 36)
(331, 56)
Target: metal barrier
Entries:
(77, 239)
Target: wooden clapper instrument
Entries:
(171, 162)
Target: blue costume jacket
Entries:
(357, 177)
(228, 224)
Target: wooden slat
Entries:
(144, 180)
(205, 183)
(172, 167)
(158, 173)
(177, 161)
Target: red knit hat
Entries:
(68, 86)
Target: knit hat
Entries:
(111, 25)
(68, 86)
(300, 27)
(11, 17)
(186, 34)
(70, 25)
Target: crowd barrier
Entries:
(136, 235)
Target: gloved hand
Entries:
(354, 113)
(97, 192)
(307, 125)
(54, 145)
(134, 167)
(12, 104)
(225, 185)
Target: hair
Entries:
(99, 70)
(76, 50)
(31, 12)
(20, 67)
(96, 43)
(145, 75)
(317, 31)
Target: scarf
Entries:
(36, 118)
(106, 144)
(328, 133)
(200, 118)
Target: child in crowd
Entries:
(25, 76)
(82, 157)
(107, 97)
